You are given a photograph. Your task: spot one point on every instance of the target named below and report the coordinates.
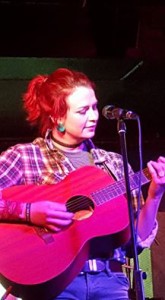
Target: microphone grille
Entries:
(107, 111)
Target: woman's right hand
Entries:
(51, 215)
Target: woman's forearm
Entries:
(12, 211)
(147, 216)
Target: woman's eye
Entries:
(82, 112)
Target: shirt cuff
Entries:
(149, 240)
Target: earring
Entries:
(60, 127)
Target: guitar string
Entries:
(88, 201)
(74, 204)
(106, 191)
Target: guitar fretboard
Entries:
(118, 188)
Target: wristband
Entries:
(27, 212)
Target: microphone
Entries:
(111, 112)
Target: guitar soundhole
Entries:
(81, 206)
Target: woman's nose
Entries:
(93, 114)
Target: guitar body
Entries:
(40, 264)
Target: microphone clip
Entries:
(111, 112)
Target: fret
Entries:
(118, 188)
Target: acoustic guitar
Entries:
(39, 264)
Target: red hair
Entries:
(46, 96)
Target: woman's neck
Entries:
(65, 146)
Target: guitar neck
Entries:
(144, 178)
(118, 188)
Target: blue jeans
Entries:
(105, 285)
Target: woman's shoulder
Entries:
(20, 148)
(108, 154)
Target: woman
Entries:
(64, 107)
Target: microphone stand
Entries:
(138, 275)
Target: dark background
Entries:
(83, 28)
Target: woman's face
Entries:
(82, 115)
